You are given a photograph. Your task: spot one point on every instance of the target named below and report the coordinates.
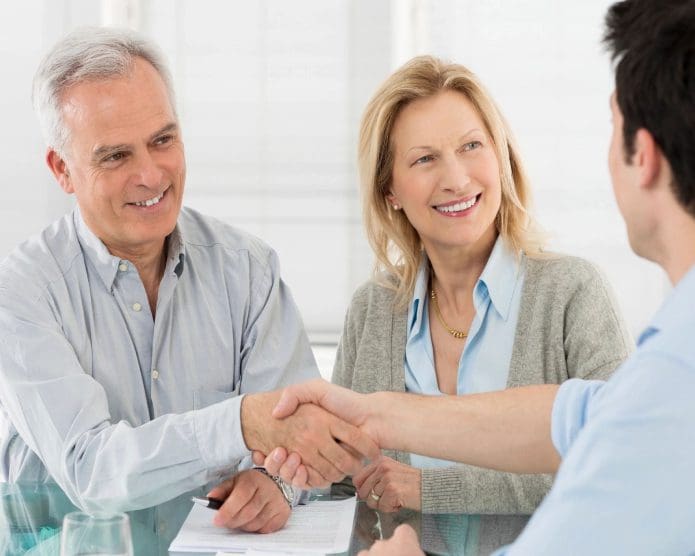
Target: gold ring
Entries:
(374, 496)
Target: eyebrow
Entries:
(462, 137)
(104, 150)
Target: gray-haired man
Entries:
(131, 328)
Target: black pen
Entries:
(212, 503)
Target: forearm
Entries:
(115, 466)
(473, 490)
(507, 430)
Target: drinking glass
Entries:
(97, 534)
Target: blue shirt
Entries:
(484, 363)
(626, 483)
(122, 410)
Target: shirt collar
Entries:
(419, 295)
(106, 264)
(676, 310)
(500, 277)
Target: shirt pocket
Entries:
(203, 397)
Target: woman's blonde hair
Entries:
(395, 242)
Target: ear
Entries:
(648, 159)
(392, 200)
(59, 168)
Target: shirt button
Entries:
(122, 267)
(155, 374)
(137, 307)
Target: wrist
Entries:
(256, 421)
(287, 490)
(377, 418)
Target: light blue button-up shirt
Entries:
(626, 483)
(122, 410)
(484, 363)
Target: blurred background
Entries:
(270, 93)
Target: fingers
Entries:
(310, 433)
(240, 507)
(275, 460)
(255, 516)
(363, 474)
(388, 486)
(254, 504)
(222, 490)
(367, 487)
(322, 468)
(301, 478)
(357, 441)
(279, 463)
(258, 457)
(268, 520)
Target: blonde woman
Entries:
(464, 298)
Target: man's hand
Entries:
(387, 485)
(404, 542)
(350, 406)
(329, 447)
(252, 502)
(346, 404)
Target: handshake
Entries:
(315, 433)
(312, 434)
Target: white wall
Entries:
(271, 93)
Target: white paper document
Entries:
(316, 528)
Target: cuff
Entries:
(218, 433)
(441, 490)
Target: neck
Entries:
(678, 253)
(671, 241)
(456, 271)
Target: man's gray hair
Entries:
(88, 54)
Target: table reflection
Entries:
(31, 516)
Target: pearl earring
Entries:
(396, 207)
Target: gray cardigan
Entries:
(569, 327)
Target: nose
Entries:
(455, 175)
(147, 171)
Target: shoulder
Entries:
(208, 235)
(563, 275)
(566, 269)
(40, 261)
(377, 294)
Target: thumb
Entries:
(292, 396)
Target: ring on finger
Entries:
(374, 496)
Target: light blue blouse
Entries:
(484, 363)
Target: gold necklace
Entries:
(455, 333)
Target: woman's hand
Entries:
(388, 486)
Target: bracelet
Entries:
(286, 489)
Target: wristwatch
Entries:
(287, 490)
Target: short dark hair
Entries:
(653, 42)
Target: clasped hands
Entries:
(324, 432)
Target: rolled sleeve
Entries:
(570, 411)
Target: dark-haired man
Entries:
(624, 450)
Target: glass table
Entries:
(31, 516)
